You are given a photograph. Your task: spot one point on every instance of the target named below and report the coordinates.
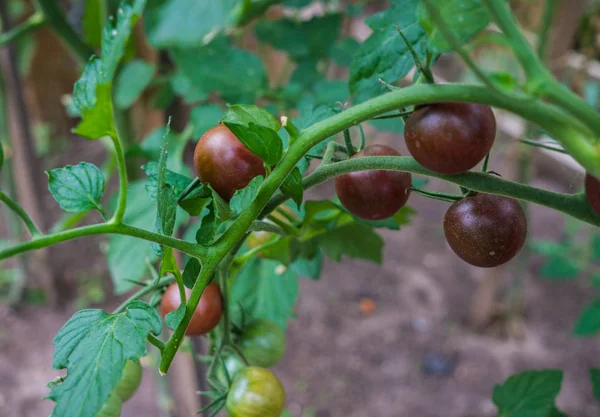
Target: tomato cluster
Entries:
(208, 311)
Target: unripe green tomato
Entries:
(130, 380)
(233, 364)
(262, 342)
(255, 392)
(111, 408)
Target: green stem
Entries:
(160, 345)
(104, 228)
(348, 142)
(544, 30)
(144, 291)
(19, 211)
(34, 22)
(121, 164)
(450, 198)
(538, 144)
(254, 251)
(288, 228)
(55, 18)
(540, 80)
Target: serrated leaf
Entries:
(355, 240)
(464, 18)
(166, 199)
(308, 267)
(131, 82)
(191, 272)
(266, 289)
(205, 117)
(343, 51)
(173, 318)
(200, 21)
(242, 114)
(292, 186)
(93, 101)
(77, 188)
(384, 54)
(94, 346)
(588, 323)
(218, 212)
(238, 75)
(261, 141)
(242, 198)
(528, 394)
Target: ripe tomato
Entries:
(207, 314)
(450, 138)
(130, 380)
(374, 194)
(233, 364)
(486, 230)
(592, 192)
(224, 162)
(111, 408)
(263, 343)
(255, 392)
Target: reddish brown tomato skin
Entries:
(224, 162)
(592, 192)
(450, 138)
(485, 230)
(207, 314)
(374, 194)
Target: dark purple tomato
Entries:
(207, 314)
(224, 162)
(374, 194)
(450, 138)
(592, 192)
(486, 230)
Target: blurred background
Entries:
(424, 334)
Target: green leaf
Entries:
(355, 240)
(245, 115)
(595, 378)
(173, 318)
(528, 394)
(305, 74)
(301, 39)
(236, 74)
(218, 212)
(204, 117)
(464, 18)
(246, 10)
(131, 82)
(596, 246)
(242, 198)
(190, 23)
(77, 188)
(284, 250)
(166, 199)
(92, 22)
(384, 54)
(343, 51)
(588, 323)
(94, 346)
(310, 267)
(557, 413)
(401, 218)
(560, 268)
(261, 141)
(266, 289)
(191, 272)
(292, 187)
(330, 91)
(184, 87)
(309, 115)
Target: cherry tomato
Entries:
(374, 194)
(111, 408)
(450, 138)
(207, 314)
(592, 191)
(130, 380)
(233, 364)
(263, 343)
(224, 162)
(255, 392)
(486, 230)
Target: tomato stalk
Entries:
(33, 22)
(19, 211)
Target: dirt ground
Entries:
(343, 362)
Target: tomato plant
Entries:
(255, 392)
(240, 219)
